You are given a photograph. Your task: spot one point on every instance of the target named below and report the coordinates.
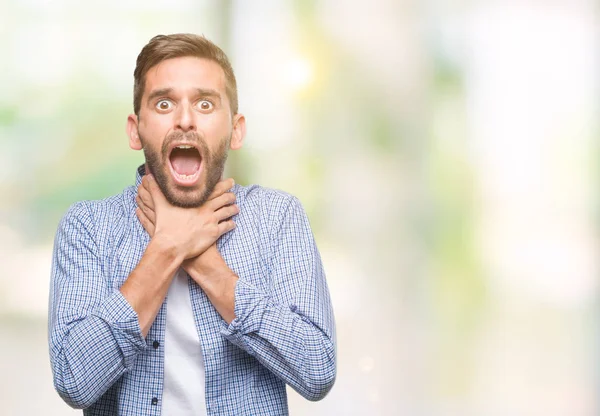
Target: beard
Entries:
(213, 167)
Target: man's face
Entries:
(185, 128)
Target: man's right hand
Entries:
(190, 231)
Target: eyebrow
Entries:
(158, 93)
(203, 92)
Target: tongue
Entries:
(185, 162)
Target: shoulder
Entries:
(272, 210)
(269, 202)
(90, 214)
(113, 207)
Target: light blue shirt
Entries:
(284, 330)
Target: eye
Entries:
(205, 105)
(164, 105)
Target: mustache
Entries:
(191, 137)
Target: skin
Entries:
(184, 235)
(185, 99)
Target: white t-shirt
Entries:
(183, 392)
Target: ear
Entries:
(132, 131)
(239, 132)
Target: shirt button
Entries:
(154, 401)
(156, 344)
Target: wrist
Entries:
(168, 248)
(216, 279)
(209, 267)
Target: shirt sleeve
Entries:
(291, 329)
(94, 333)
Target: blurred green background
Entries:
(446, 153)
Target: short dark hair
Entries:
(163, 47)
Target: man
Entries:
(187, 294)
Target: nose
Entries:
(185, 118)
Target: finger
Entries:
(148, 226)
(221, 187)
(146, 197)
(226, 199)
(140, 214)
(227, 211)
(226, 226)
(144, 185)
(150, 214)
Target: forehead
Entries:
(185, 74)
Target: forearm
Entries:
(216, 279)
(280, 336)
(146, 287)
(287, 342)
(306, 360)
(94, 334)
(89, 355)
(91, 349)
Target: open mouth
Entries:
(186, 164)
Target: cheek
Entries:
(154, 132)
(154, 121)
(217, 128)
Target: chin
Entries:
(186, 197)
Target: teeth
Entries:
(184, 177)
(185, 146)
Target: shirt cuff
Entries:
(123, 322)
(250, 305)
